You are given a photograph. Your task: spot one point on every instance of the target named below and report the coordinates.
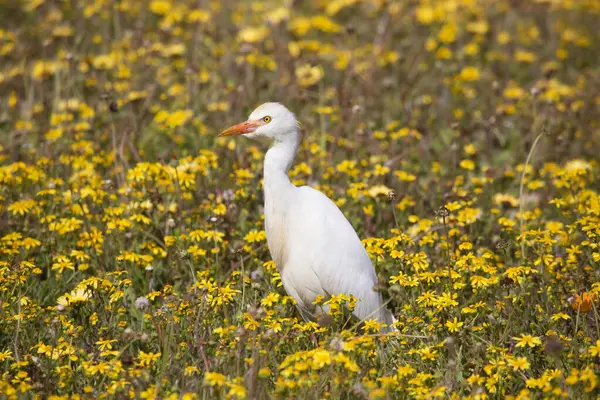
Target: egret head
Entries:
(270, 120)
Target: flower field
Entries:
(459, 137)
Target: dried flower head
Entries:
(502, 244)
(442, 212)
(391, 196)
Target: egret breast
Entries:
(277, 235)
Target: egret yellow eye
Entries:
(267, 119)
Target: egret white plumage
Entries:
(314, 247)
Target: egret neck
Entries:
(279, 193)
(278, 160)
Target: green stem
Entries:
(535, 142)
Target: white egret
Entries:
(314, 247)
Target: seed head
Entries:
(391, 196)
(359, 390)
(337, 344)
(129, 333)
(241, 332)
(269, 334)
(442, 212)
(256, 275)
(142, 303)
(183, 254)
(502, 244)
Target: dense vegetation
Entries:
(460, 138)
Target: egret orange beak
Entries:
(241, 129)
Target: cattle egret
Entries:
(314, 247)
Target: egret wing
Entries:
(324, 245)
